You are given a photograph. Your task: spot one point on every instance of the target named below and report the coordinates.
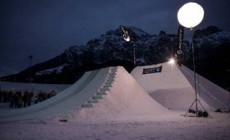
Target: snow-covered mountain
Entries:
(111, 49)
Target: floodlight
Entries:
(126, 36)
(171, 61)
(190, 15)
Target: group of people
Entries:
(41, 96)
(19, 99)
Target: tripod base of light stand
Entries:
(198, 112)
(196, 101)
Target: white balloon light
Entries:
(190, 15)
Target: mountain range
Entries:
(212, 48)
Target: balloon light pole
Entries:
(190, 15)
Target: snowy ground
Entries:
(126, 111)
(181, 128)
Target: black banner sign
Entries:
(180, 35)
(152, 70)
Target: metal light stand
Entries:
(196, 101)
(30, 62)
(134, 55)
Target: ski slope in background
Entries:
(32, 87)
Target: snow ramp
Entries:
(167, 85)
(125, 100)
(71, 98)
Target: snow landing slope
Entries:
(105, 94)
(126, 100)
(69, 99)
(173, 87)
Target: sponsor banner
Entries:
(152, 70)
(180, 35)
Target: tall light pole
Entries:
(127, 38)
(30, 63)
(190, 15)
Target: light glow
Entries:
(190, 15)
(171, 61)
(127, 39)
(126, 36)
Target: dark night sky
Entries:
(45, 28)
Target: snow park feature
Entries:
(173, 87)
(110, 103)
